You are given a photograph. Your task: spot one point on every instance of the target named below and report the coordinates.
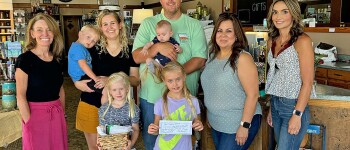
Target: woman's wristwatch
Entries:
(245, 124)
(297, 112)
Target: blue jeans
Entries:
(225, 141)
(147, 117)
(281, 111)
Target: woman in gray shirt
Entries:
(230, 85)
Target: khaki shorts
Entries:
(87, 118)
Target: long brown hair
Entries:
(175, 66)
(57, 45)
(240, 43)
(122, 32)
(297, 27)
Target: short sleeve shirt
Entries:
(45, 78)
(118, 116)
(104, 64)
(190, 35)
(77, 52)
(178, 110)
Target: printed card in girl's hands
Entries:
(175, 127)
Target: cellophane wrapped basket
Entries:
(113, 141)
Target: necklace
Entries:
(285, 42)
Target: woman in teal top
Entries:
(230, 85)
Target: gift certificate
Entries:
(175, 127)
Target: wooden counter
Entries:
(331, 109)
(335, 116)
(315, 29)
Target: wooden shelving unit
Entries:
(315, 29)
(6, 24)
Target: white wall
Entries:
(340, 40)
(6, 5)
(150, 1)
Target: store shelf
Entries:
(5, 33)
(5, 27)
(5, 19)
(315, 29)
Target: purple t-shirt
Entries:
(178, 110)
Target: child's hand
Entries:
(153, 129)
(128, 147)
(197, 125)
(178, 48)
(145, 48)
(99, 147)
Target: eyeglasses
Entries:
(227, 15)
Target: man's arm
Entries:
(198, 49)
(194, 64)
(166, 49)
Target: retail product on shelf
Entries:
(20, 24)
(6, 25)
(90, 18)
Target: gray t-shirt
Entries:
(118, 116)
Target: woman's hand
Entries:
(197, 125)
(241, 135)
(101, 82)
(82, 86)
(269, 118)
(26, 118)
(294, 124)
(153, 129)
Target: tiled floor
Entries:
(76, 139)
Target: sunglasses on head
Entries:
(227, 14)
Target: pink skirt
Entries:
(46, 128)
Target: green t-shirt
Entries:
(189, 34)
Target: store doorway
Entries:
(71, 30)
(71, 26)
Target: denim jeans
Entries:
(281, 111)
(147, 117)
(225, 141)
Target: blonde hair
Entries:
(122, 32)
(175, 66)
(113, 79)
(297, 27)
(90, 27)
(156, 76)
(57, 45)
